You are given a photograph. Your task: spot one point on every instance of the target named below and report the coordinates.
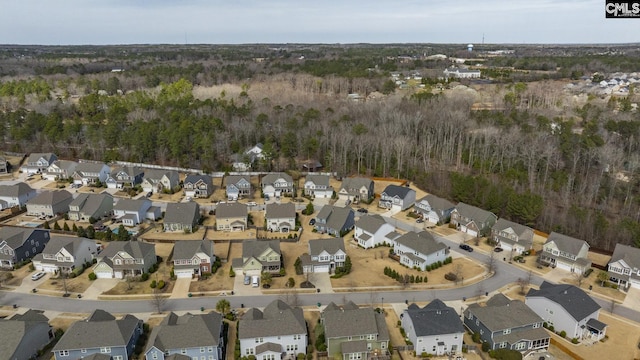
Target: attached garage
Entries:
(183, 273)
(321, 268)
(323, 194)
(103, 271)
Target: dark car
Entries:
(363, 210)
(498, 249)
(312, 222)
(466, 247)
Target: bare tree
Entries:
(373, 297)
(158, 301)
(457, 270)
(491, 262)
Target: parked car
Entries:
(247, 279)
(466, 247)
(37, 276)
(312, 221)
(363, 210)
(419, 221)
(149, 193)
(498, 249)
(252, 203)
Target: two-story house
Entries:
(18, 245)
(276, 331)
(435, 329)
(231, 217)
(624, 266)
(24, 335)
(418, 250)
(159, 181)
(4, 165)
(237, 187)
(60, 170)
(317, 186)
(191, 335)
(507, 324)
(355, 333)
(277, 184)
(125, 177)
(399, 197)
(182, 216)
(472, 220)
(566, 253)
(90, 206)
(192, 258)
(101, 333)
(131, 211)
(334, 220)
(259, 256)
(63, 254)
(372, 230)
(325, 255)
(356, 189)
(567, 308)
(91, 173)
(123, 259)
(281, 217)
(38, 163)
(49, 203)
(15, 195)
(198, 186)
(512, 236)
(433, 209)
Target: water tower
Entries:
(470, 47)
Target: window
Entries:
(84, 351)
(117, 357)
(259, 340)
(371, 337)
(383, 345)
(154, 355)
(520, 346)
(506, 331)
(503, 345)
(361, 337)
(536, 325)
(63, 352)
(202, 349)
(211, 357)
(349, 338)
(105, 350)
(183, 351)
(210, 349)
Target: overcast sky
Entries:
(61, 22)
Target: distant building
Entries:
(461, 73)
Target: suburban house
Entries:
(433, 209)
(60, 170)
(624, 266)
(255, 152)
(472, 220)
(24, 335)
(90, 206)
(15, 195)
(100, 333)
(458, 73)
(49, 203)
(281, 217)
(398, 197)
(63, 254)
(372, 230)
(38, 163)
(131, 211)
(240, 162)
(259, 256)
(231, 217)
(89, 173)
(198, 186)
(356, 189)
(277, 184)
(277, 332)
(567, 308)
(512, 236)
(20, 244)
(237, 187)
(158, 181)
(507, 324)
(355, 333)
(435, 329)
(123, 259)
(182, 216)
(317, 186)
(566, 253)
(419, 250)
(334, 220)
(192, 258)
(4, 165)
(125, 177)
(325, 255)
(193, 335)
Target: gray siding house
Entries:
(24, 335)
(325, 255)
(512, 236)
(566, 253)
(158, 181)
(90, 206)
(434, 209)
(123, 259)
(90, 173)
(38, 162)
(277, 184)
(198, 186)
(182, 216)
(237, 187)
(334, 220)
(472, 220)
(624, 266)
(125, 176)
(49, 203)
(15, 195)
(400, 197)
(435, 329)
(418, 250)
(192, 258)
(60, 170)
(356, 189)
(20, 244)
(232, 217)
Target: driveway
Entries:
(98, 287)
(632, 300)
(322, 281)
(239, 288)
(28, 285)
(181, 288)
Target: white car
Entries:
(37, 276)
(252, 203)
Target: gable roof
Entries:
(231, 210)
(182, 213)
(50, 197)
(98, 331)
(272, 177)
(277, 319)
(498, 315)
(436, 318)
(353, 322)
(194, 178)
(16, 236)
(370, 223)
(69, 243)
(573, 299)
(253, 248)
(474, 213)
(336, 217)
(13, 330)
(503, 224)
(186, 249)
(437, 202)
(136, 249)
(89, 167)
(279, 211)
(566, 243)
(318, 179)
(395, 190)
(154, 175)
(15, 190)
(234, 179)
(422, 242)
(66, 165)
(131, 171)
(130, 204)
(186, 331)
(355, 183)
(331, 246)
(34, 157)
(90, 203)
(629, 254)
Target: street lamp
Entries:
(382, 306)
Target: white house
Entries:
(132, 212)
(512, 236)
(281, 217)
(373, 230)
(418, 250)
(38, 162)
(59, 170)
(325, 255)
(435, 329)
(65, 253)
(624, 266)
(15, 195)
(88, 173)
(317, 186)
(566, 253)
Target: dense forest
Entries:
(541, 156)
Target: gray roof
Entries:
(517, 336)
(353, 183)
(422, 242)
(357, 346)
(98, 331)
(268, 347)
(66, 165)
(136, 249)
(154, 175)
(573, 299)
(596, 324)
(130, 204)
(186, 331)
(370, 223)
(566, 243)
(253, 248)
(353, 322)
(395, 190)
(504, 316)
(318, 179)
(131, 171)
(336, 217)
(436, 318)
(15, 190)
(474, 213)
(182, 213)
(280, 211)
(194, 179)
(89, 167)
(503, 224)
(50, 197)
(13, 330)
(186, 249)
(628, 254)
(438, 202)
(524, 233)
(69, 243)
(331, 246)
(272, 177)
(90, 203)
(278, 319)
(231, 210)
(234, 179)
(16, 236)
(34, 157)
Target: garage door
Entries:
(321, 268)
(184, 273)
(472, 232)
(432, 218)
(103, 274)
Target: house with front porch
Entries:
(435, 329)
(89, 206)
(122, 259)
(335, 220)
(398, 197)
(566, 253)
(198, 186)
(182, 216)
(433, 209)
(18, 245)
(192, 258)
(624, 267)
(38, 163)
(472, 220)
(277, 184)
(372, 230)
(49, 203)
(231, 217)
(60, 170)
(16, 195)
(159, 181)
(419, 250)
(91, 173)
(325, 255)
(125, 177)
(356, 189)
(281, 217)
(317, 186)
(237, 187)
(259, 256)
(63, 254)
(131, 211)
(512, 236)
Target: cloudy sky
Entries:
(58, 22)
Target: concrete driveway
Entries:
(27, 284)
(632, 300)
(181, 288)
(322, 281)
(98, 287)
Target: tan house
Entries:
(231, 217)
(259, 256)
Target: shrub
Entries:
(153, 284)
(450, 276)
(563, 333)
(574, 340)
(505, 354)
(231, 272)
(485, 346)
(161, 284)
(145, 276)
(476, 337)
